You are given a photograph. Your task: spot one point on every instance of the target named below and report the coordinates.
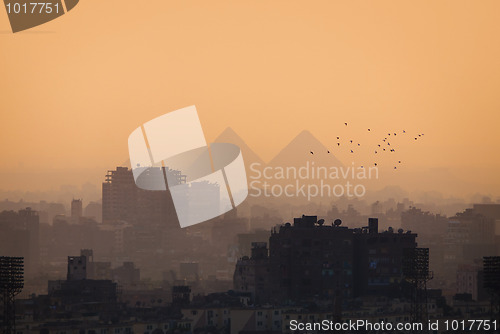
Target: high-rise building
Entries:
(252, 273)
(119, 195)
(20, 236)
(470, 281)
(310, 260)
(122, 200)
(76, 210)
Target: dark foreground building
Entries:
(312, 261)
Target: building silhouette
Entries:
(122, 200)
(76, 210)
(310, 260)
(20, 236)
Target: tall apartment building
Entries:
(122, 200)
(76, 210)
(310, 260)
(20, 236)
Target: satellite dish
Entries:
(321, 222)
(400, 231)
(337, 222)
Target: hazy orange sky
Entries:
(72, 90)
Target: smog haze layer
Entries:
(268, 70)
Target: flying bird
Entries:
(350, 141)
(399, 161)
(345, 124)
(328, 151)
(369, 130)
(352, 151)
(338, 137)
(338, 144)
(375, 152)
(312, 152)
(375, 164)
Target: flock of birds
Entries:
(383, 145)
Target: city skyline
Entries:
(425, 67)
(245, 167)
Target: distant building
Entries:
(424, 223)
(470, 235)
(127, 274)
(122, 200)
(76, 210)
(252, 274)
(181, 295)
(189, 271)
(78, 293)
(245, 241)
(20, 236)
(208, 317)
(491, 211)
(470, 281)
(94, 210)
(77, 268)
